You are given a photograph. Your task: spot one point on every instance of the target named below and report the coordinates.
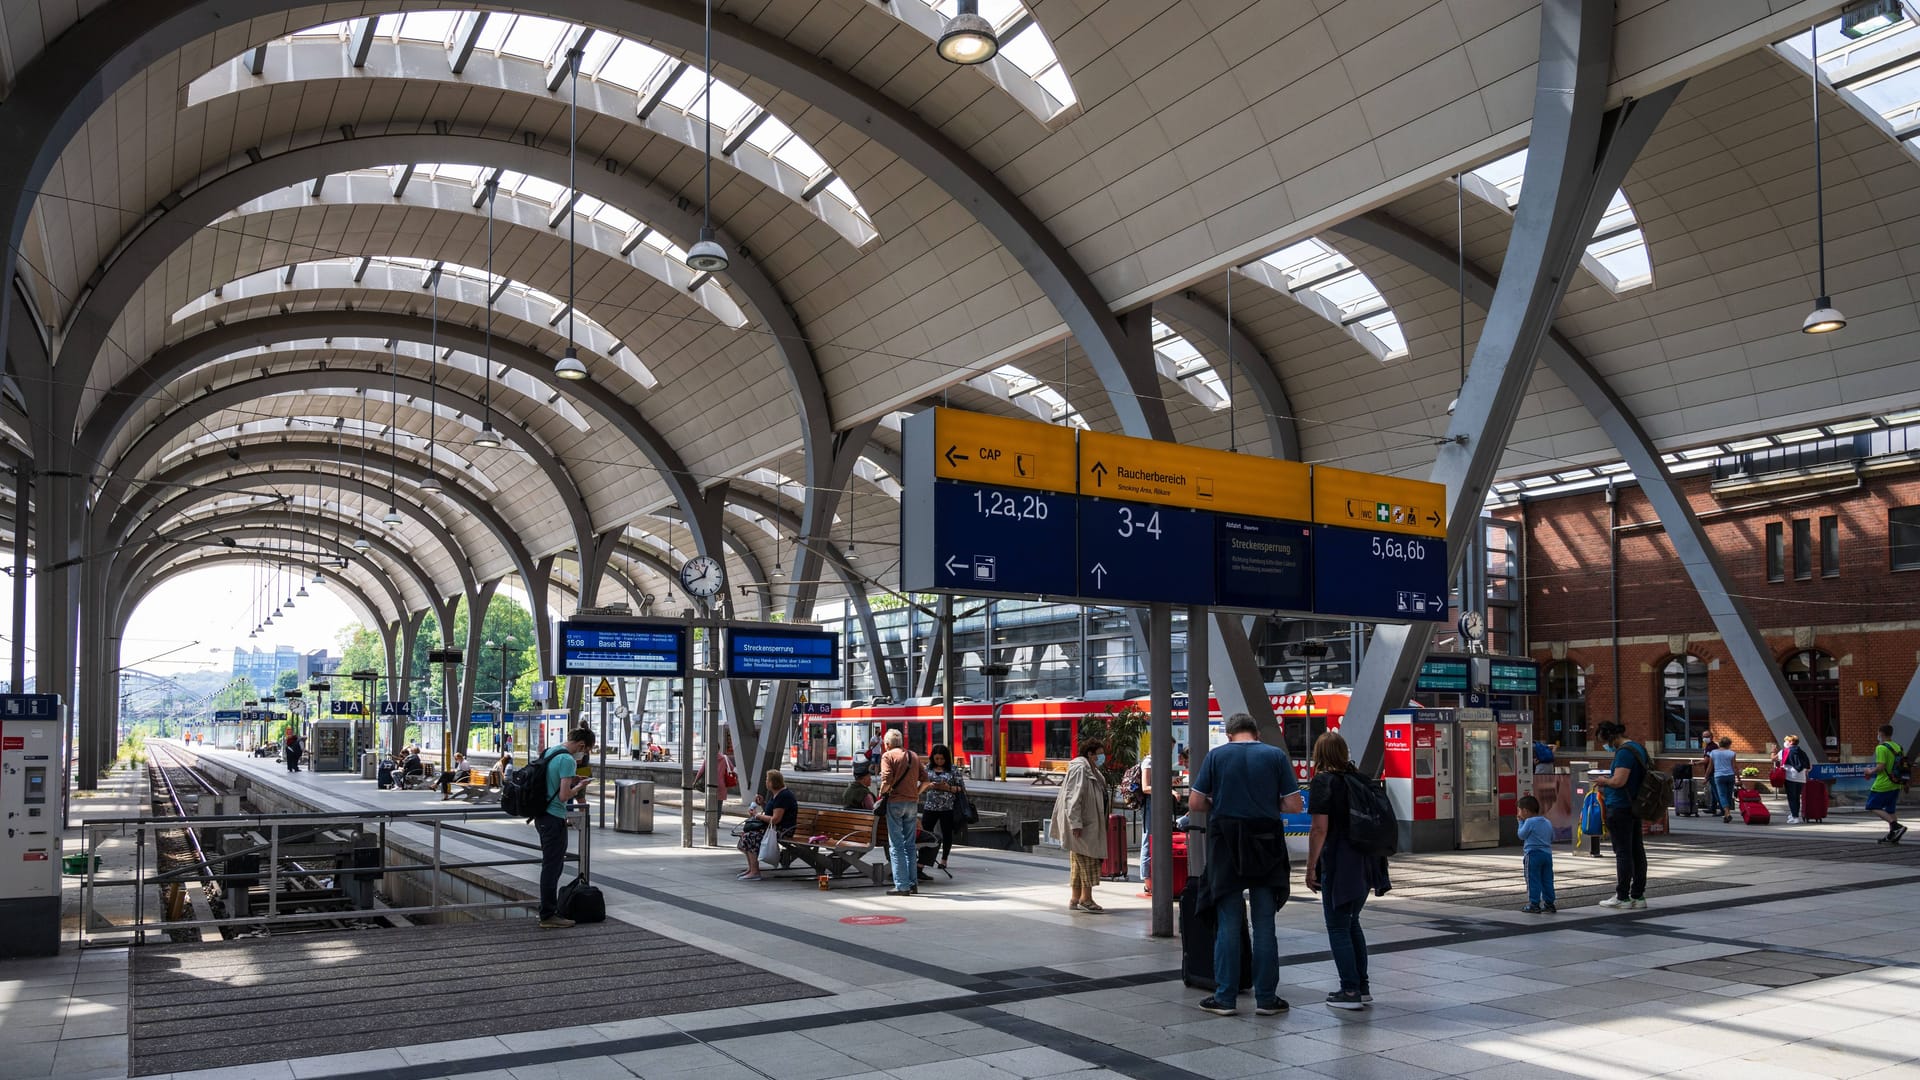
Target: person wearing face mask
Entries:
(1080, 822)
(563, 786)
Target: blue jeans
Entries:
(1231, 912)
(1539, 878)
(903, 818)
(1348, 944)
(1723, 790)
(1146, 838)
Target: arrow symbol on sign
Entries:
(950, 566)
(954, 459)
(1434, 519)
(1099, 576)
(1099, 472)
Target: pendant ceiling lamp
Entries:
(1824, 318)
(392, 517)
(488, 437)
(1460, 280)
(432, 482)
(968, 38)
(706, 255)
(570, 368)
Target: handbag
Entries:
(1778, 776)
(968, 813)
(769, 846)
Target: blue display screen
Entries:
(1137, 551)
(783, 654)
(622, 649)
(1263, 564)
(1361, 574)
(989, 540)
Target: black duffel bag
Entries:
(581, 902)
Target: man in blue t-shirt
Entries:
(1617, 789)
(563, 786)
(1246, 782)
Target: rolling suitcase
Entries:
(1196, 945)
(1813, 801)
(1683, 798)
(1179, 864)
(1114, 866)
(1752, 810)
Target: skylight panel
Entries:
(729, 105)
(1387, 328)
(629, 64)
(335, 30)
(434, 27)
(1315, 268)
(1618, 255)
(839, 190)
(532, 37)
(1029, 50)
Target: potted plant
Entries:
(1750, 776)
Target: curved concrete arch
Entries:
(173, 362)
(302, 454)
(401, 606)
(151, 443)
(372, 188)
(157, 238)
(730, 540)
(262, 522)
(181, 505)
(1251, 362)
(139, 587)
(293, 63)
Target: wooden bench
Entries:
(1050, 773)
(829, 841)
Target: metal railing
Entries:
(277, 833)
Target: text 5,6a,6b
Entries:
(1386, 547)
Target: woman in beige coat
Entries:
(1080, 822)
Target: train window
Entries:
(1296, 736)
(1059, 739)
(973, 736)
(1019, 736)
(917, 738)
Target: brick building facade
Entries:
(1826, 558)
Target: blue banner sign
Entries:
(783, 654)
(1129, 550)
(348, 708)
(396, 708)
(627, 648)
(1263, 564)
(991, 541)
(226, 716)
(812, 708)
(1361, 574)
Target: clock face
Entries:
(1473, 626)
(703, 576)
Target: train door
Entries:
(1477, 792)
(973, 737)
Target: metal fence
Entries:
(273, 836)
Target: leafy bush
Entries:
(1119, 729)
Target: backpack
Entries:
(1371, 826)
(1901, 771)
(1655, 794)
(523, 793)
(1130, 787)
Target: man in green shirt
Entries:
(1883, 799)
(859, 794)
(563, 786)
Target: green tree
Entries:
(1119, 729)
(236, 693)
(360, 649)
(507, 622)
(288, 680)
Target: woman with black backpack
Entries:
(1794, 764)
(1342, 874)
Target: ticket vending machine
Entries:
(1477, 782)
(330, 746)
(1419, 773)
(1516, 768)
(31, 790)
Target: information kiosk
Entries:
(1443, 773)
(31, 790)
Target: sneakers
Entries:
(1637, 904)
(1726, 819)
(1550, 909)
(1894, 834)
(1218, 1008)
(1531, 909)
(1791, 820)
(1271, 1008)
(1346, 999)
(555, 922)
(1615, 903)
(1366, 995)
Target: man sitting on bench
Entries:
(859, 793)
(455, 775)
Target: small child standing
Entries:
(1536, 850)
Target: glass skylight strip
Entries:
(1618, 257)
(1315, 268)
(1879, 75)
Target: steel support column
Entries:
(1906, 715)
(1160, 746)
(1576, 158)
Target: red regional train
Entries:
(1036, 729)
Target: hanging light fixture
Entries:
(392, 517)
(488, 437)
(779, 568)
(853, 556)
(1824, 318)
(969, 38)
(1460, 280)
(360, 542)
(569, 366)
(706, 255)
(432, 482)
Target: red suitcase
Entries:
(1813, 801)
(1114, 866)
(1179, 863)
(1752, 810)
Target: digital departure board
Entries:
(623, 648)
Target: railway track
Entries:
(180, 855)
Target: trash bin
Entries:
(633, 806)
(369, 765)
(980, 767)
(816, 757)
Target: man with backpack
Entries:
(1890, 773)
(1619, 789)
(1244, 787)
(558, 768)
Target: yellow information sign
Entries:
(603, 692)
(1390, 504)
(992, 450)
(1143, 470)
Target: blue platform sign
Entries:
(812, 708)
(226, 716)
(988, 540)
(1263, 564)
(396, 708)
(1130, 550)
(783, 654)
(1361, 574)
(30, 706)
(347, 708)
(623, 648)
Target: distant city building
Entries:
(315, 663)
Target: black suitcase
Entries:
(581, 902)
(1197, 931)
(384, 775)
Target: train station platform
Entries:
(1775, 952)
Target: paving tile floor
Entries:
(989, 977)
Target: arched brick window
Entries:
(1566, 706)
(1683, 702)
